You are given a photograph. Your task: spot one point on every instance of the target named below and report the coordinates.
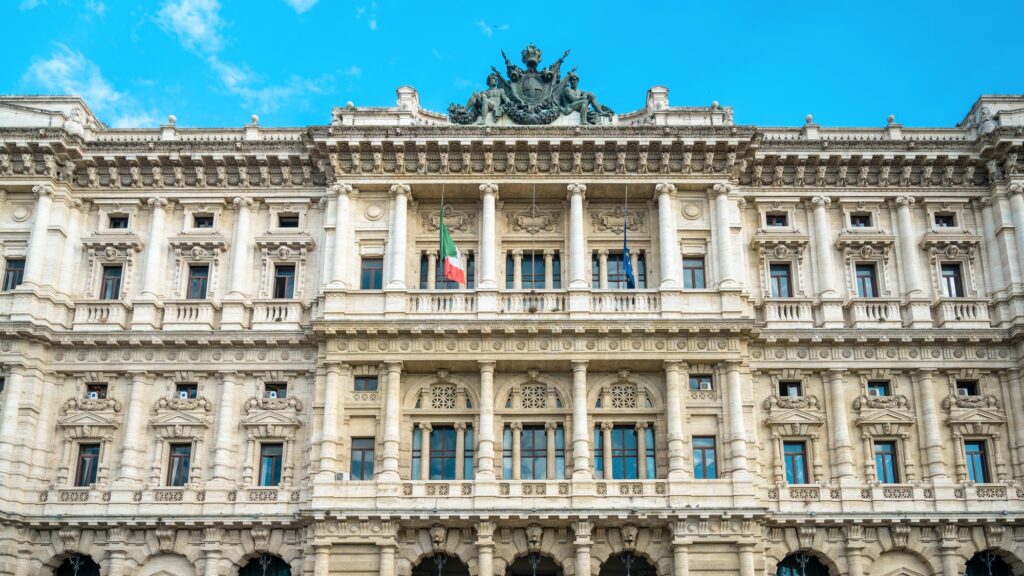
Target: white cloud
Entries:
(301, 6)
(196, 23)
(361, 11)
(66, 71)
(30, 4)
(488, 29)
(353, 70)
(373, 24)
(99, 8)
(243, 82)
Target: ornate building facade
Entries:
(235, 351)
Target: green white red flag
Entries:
(454, 268)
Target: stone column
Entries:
(737, 429)
(392, 421)
(485, 548)
(842, 451)
(12, 397)
(342, 236)
(582, 529)
(425, 429)
(155, 248)
(485, 436)
(908, 249)
(517, 269)
(606, 452)
(952, 564)
(488, 238)
(398, 237)
(746, 559)
(995, 259)
(134, 450)
(23, 562)
(387, 560)
(668, 236)
(334, 390)
(674, 420)
(35, 254)
(641, 450)
(577, 242)
(602, 268)
(517, 450)
(321, 559)
(823, 248)
(680, 559)
(1017, 214)
(854, 550)
(1017, 404)
(224, 465)
(71, 250)
(431, 269)
(935, 464)
(634, 259)
(240, 248)
(580, 434)
(723, 236)
(460, 450)
(549, 273)
(115, 563)
(211, 563)
(550, 429)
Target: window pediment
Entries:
(89, 423)
(113, 246)
(780, 244)
(281, 422)
(209, 243)
(795, 416)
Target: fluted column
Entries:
(550, 429)
(240, 248)
(227, 422)
(995, 259)
(674, 419)
(334, 385)
(321, 559)
(155, 248)
(737, 428)
(134, 451)
(517, 269)
(577, 242)
(392, 421)
(641, 449)
(723, 236)
(606, 452)
(460, 450)
(35, 254)
(583, 543)
(1017, 214)
(935, 462)
(71, 250)
(842, 451)
(488, 237)
(398, 240)
(485, 436)
(908, 248)
(823, 248)
(580, 434)
(342, 236)
(485, 548)
(671, 261)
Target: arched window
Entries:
(77, 566)
(266, 565)
(627, 564)
(801, 564)
(440, 565)
(987, 563)
(534, 564)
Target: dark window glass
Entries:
(186, 390)
(14, 274)
(624, 453)
(952, 281)
(371, 274)
(533, 271)
(796, 462)
(110, 285)
(790, 388)
(945, 220)
(284, 281)
(967, 387)
(617, 271)
(776, 219)
(266, 565)
(467, 454)
(442, 453)
(97, 390)
(780, 281)
(977, 461)
(533, 453)
(287, 220)
(867, 283)
(275, 389)
(446, 284)
(417, 450)
(178, 464)
(598, 452)
(82, 566)
(885, 462)
(559, 453)
(878, 388)
(202, 221)
(366, 384)
(704, 458)
(986, 563)
(556, 271)
(88, 464)
(701, 382)
(198, 276)
(118, 222)
(693, 273)
(506, 453)
(860, 220)
(271, 456)
(362, 458)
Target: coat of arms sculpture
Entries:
(530, 96)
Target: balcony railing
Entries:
(189, 315)
(625, 301)
(277, 314)
(102, 315)
(788, 313)
(534, 302)
(874, 313)
(961, 313)
(442, 302)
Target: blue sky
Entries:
(216, 62)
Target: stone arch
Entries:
(518, 546)
(451, 543)
(596, 386)
(902, 563)
(49, 565)
(415, 388)
(140, 555)
(822, 559)
(166, 564)
(1011, 559)
(272, 542)
(824, 554)
(657, 554)
(521, 557)
(563, 389)
(294, 566)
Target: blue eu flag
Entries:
(627, 262)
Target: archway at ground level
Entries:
(801, 564)
(627, 564)
(77, 566)
(534, 564)
(987, 563)
(266, 565)
(441, 565)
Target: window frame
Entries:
(867, 285)
(883, 385)
(693, 275)
(786, 386)
(796, 469)
(284, 291)
(890, 473)
(774, 287)
(957, 279)
(981, 463)
(375, 272)
(13, 277)
(274, 458)
(108, 290)
(192, 278)
(701, 473)
(367, 458)
(174, 465)
(79, 477)
(861, 214)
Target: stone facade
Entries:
(829, 317)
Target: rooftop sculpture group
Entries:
(530, 96)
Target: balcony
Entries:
(873, 313)
(534, 302)
(106, 315)
(788, 313)
(961, 313)
(442, 302)
(190, 315)
(625, 302)
(278, 314)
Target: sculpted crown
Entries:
(531, 55)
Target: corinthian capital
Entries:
(665, 188)
(1016, 188)
(720, 189)
(242, 202)
(157, 203)
(340, 189)
(907, 201)
(822, 201)
(398, 189)
(577, 189)
(488, 188)
(43, 189)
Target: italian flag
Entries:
(454, 269)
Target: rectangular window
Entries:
(796, 462)
(275, 389)
(966, 387)
(118, 222)
(467, 454)
(362, 458)
(506, 453)
(446, 284)
(14, 274)
(284, 281)
(624, 453)
(271, 456)
(88, 464)
(878, 388)
(365, 384)
(371, 274)
(417, 451)
(96, 390)
(617, 271)
(559, 453)
(188, 390)
(533, 453)
(885, 463)
(867, 282)
(442, 453)
(776, 220)
(860, 220)
(693, 273)
(203, 221)
(598, 453)
(952, 281)
(701, 382)
(704, 458)
(110, 284)
(790, 388)
(198, 276)
(287, 220)
(945, 220)
(556, 272)
(533, 271)
(779, 276)
(178, 464)
(977, 461)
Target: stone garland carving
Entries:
(90, 405)
(898, 401)
(263, 403)
(616, 219)
(985, 401)
(809, 402)
(533, 221)
(182, 404)
(456, 220)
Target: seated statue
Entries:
(489, 101)
(573, 99)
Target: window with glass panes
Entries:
(776, 220)
(878, 387)
(97, 389)
(976, 455)
(178, 463)
(701, 382)
(867, 282)
(186, 390)
(952, 280)
(110, 284)
(533, 453)
(442, 453)
(14, 273)
(779, 279)
(795, 455)
(885, 463)
(284, 281)
(271, 459)
(693, 273)
(945, 220)
(275, 389)
(791, 388)
(966, 387)
(88, 464)
(624, 453)
(860, 220)
(198, 277)
(362, 458)
(371, 273)
(617, 271)
(202, 221)
(705, 465)
(440, 282)
(365, 384)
